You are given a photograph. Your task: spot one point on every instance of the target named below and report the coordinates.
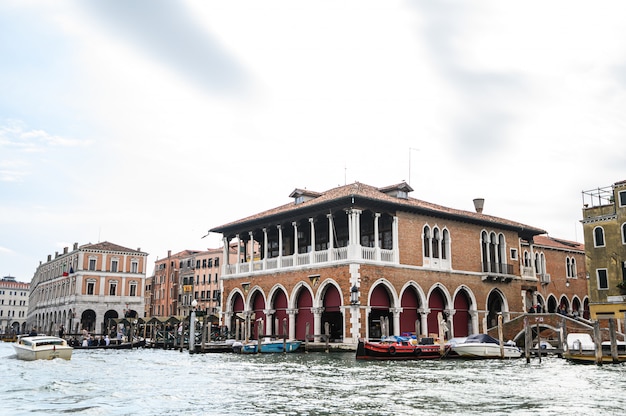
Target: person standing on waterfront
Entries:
(61, 331)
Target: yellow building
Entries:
(604, 225)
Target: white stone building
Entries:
(87, 287)
(13, 305)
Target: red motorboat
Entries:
(398, 348)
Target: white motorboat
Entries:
(582, 349)
(484, 346)
(42, 347)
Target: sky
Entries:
(146, 123)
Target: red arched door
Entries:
(409, 315)
(304, 304)
(258, 306)
(380, 303)
(279, 304)
(461, 320)
(332, 313)
(436, 304)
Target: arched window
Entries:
(445, 244)
(570, 267)
(624, 233)
(426, 241)
(598, 237)
(436, 242)
(540, 263)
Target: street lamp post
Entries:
(192, 326)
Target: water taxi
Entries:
(42, 347)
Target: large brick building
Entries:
(86, 287)
(185, 276)
(356, 257)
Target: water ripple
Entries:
(157, 382)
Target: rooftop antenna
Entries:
(410, 149)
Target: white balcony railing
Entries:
(306, 259)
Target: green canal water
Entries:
(158, 382)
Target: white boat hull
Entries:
(486, 350)
(42, 348)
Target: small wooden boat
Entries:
(42, 347)
(582, 349)
(113, 346)
(481, 346)
(266, 346)
(398, 348)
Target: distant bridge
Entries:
(549, 324)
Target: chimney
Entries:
(75, 246)
(478, 204)
(64, 250)
(49, 257)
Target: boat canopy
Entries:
(481, 338)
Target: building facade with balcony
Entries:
(604, 226)
(13, 305)
(86, 287)
(359, 261)
(186, 276)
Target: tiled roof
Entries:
(559, 243)
(106, 246)
(360, 194)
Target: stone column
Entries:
(376, 242)
(251, 236)
(280, 245)
(264, 248)
(354, 232)
(269, 324)
(317, 322)
(292, 322)
(331, 235)
(295, 242)
(450, 321)
(396, 320)
(395, 239)
(424, 320)
(312, 253)
(238, 264)
(474, 317)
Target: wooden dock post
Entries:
(539, 338)
(527, 339)
(259, 335)
(500, 337)
(442, 333)
(285, 335)
(327, 334)
(612, 337)
(597, 339)
(307, 333)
